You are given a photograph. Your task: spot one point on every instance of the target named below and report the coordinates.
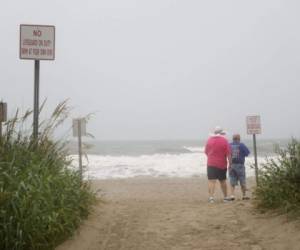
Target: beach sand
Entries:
(173, 213)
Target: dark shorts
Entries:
(214, 173)
(237, 174)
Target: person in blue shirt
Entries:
(237, 171)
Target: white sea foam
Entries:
(157, 165)
(195, 149)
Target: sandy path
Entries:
(174, 214)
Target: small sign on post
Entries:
(254, 128)
(79, 127)
(79, 130)
(3, 115)
(253, 125)
(37, 42)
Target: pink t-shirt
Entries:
(217, 149)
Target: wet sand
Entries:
(173, 213)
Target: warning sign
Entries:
(37, 42)
(253, 124)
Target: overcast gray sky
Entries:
(162, 69)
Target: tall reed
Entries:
(279, 182)
(42, 201)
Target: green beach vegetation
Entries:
(279, 181)
(42, 200)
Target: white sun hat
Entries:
(219, 131)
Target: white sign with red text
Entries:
(253, 124)
(37, 42)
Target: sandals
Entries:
(211, 200)
(227, 199)
(245, 198)
(232, 198)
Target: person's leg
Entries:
(244, 189)
(233, 182)
(223, 185)
(242, 179)
(212, 178)
(232, 189)
(222, 176)
(211, 188)
(243, 186)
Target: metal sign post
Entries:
(79, 130)
(255, 158)
(37, 42)
(3, 116)
(254, 128)
(36, 97)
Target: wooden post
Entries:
(3, 116)
(79, 148)
(0, 131)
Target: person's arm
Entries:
(206, 148)
(229, 158)
(246, 150)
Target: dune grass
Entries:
(279, 181)
(42, 201)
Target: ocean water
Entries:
(128, 159)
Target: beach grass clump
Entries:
(42, 200)
(279, 181)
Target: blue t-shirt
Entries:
(238, 152)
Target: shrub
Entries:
(42, 200)
(279, 181)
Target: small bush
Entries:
(42, 200)
(279, 181)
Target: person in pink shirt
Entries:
(218, 153)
